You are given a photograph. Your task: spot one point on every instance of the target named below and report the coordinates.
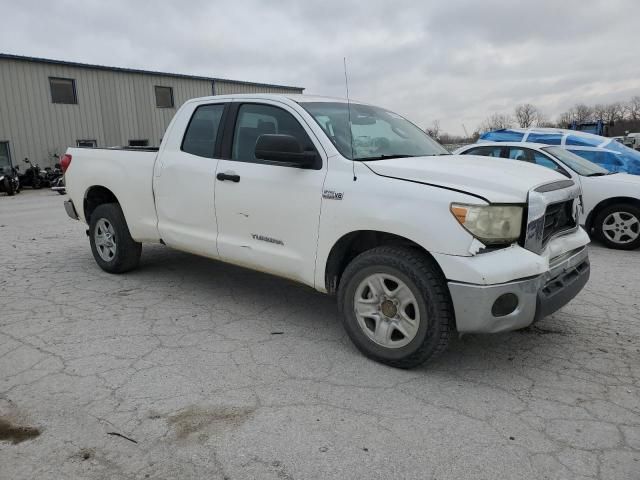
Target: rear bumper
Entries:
(536, 296)
(71, 209)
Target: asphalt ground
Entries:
(190, 368)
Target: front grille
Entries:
(557, 218)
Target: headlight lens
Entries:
(491, 224)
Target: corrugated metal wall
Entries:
(113, 107)
(227, 87)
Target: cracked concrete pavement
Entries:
(190, 368)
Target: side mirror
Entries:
(17, 168)
(285, 149)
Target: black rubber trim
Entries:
(559, 291)
(228, 128)
(428, 184)
(132, 149)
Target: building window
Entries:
(164, 97)
(86, 143)
(138, 143)
(63, 90)
(5, 158)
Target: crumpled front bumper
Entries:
(537, 296)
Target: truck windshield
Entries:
(375, 133)
(578, 164)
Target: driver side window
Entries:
(255, 120)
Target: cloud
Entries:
(456, 61)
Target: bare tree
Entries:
(613, 112)
(600, 111)
(582, 113)
(632, 108)
(565, 119)
(526, 115)
(543, 121)
(496, 121)
(608, 113)
(434, 130)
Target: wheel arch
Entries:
(95, 196)
(352, 244)
(607, 203)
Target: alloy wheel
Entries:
(387, 310)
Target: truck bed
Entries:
(127, 173)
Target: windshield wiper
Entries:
(599, 174)
(382, 157)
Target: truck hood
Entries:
(496, 179)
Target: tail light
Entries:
(65, 161)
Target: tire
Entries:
(124, 254)
(618, 226)
(429, 301)
(10, 188)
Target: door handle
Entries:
(228, 176)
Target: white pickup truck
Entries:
(352, 200)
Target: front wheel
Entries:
(396, 306)
(11, 191)
(618, 226)
(111, 244)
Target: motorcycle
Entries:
(9, 181)
(59, 186)
(53, 175)
(33, 176)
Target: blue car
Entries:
(606, 152)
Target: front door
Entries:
(184, 182)
(268, 214)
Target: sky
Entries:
(453, 61)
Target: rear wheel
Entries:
(111, 244)
(396, 306)
(618, 226)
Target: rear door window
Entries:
(487, 151)
(522, 154)
(202, 131)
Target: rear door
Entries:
(184, 181)
(268, 214)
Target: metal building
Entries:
(49, 105)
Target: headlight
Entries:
(491, 224)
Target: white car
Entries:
(352, 200)
(611, 201)
(604, 151)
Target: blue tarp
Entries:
(604, 151)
